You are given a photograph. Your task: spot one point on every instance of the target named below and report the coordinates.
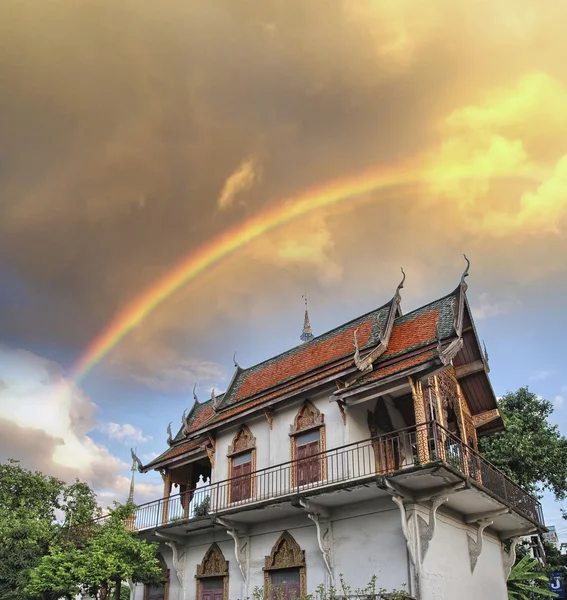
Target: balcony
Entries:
(415, 459)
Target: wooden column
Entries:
(441, 437)
(420, 419)
(165, 475)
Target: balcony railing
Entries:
(354, 464)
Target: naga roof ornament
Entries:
(136, 460)
(400, 286)
(465, 274)
(185, 421)
(237, 366)
(365, 364)
(169, 435)
(195, 394)
(216, 403)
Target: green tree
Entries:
(531, 451)
(111, 554)
(28, 508)
(527, 581)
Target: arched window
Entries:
(212, 576)
(161, 590)
(242, 465)
(307, 445)
(284, 570)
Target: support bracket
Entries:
(320, 516)
(475, 547)
(240, 546)
(398, 500)
(427, 530)
(509, 558)
(179, 558)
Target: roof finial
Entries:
(398, 297)
(169, 435)
(234, 360)
(136, 461)
(195, 394)
(133, 469)
(307, 333)
(401, 284)
(466, 272)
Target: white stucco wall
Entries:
(446, 571)
(367, 541)
(273, 445)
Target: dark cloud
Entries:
(121, 123)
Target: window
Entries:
(242, 464)
(284, 584)
(241, 477)
(307, 448)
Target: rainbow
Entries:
(231, 240)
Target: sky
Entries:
(136, 136)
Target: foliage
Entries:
(531, 451)
(111, 555)
(51, 547)
(528, 581)
(28, 508)
(344, 592)
(202, 509)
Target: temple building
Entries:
(352, 455)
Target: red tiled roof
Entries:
(413, 332)
(204, 415)
(175, 451)
(305, 360)
(397, 367)
(246, 405)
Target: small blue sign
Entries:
(556, 584)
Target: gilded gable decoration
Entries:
(242, 441)
(308, 417)
(286, 554)
(214, 564)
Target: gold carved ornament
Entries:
(286, 554)
(308, 417)
(214, 564)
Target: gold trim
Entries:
(316, 421)
(420, 419)
(213, 564)
(286, 554)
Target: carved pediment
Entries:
(242, 441)
(307, 417)
(285, 554)
(214, 563)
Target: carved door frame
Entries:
(213, 564)
(286, 554)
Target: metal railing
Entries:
(353, 463)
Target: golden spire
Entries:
(306, 334)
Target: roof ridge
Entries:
(419, 308)
(311, 342)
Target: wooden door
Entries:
(285, 584)
(241, 482)
(307, 448)
(212, 588)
